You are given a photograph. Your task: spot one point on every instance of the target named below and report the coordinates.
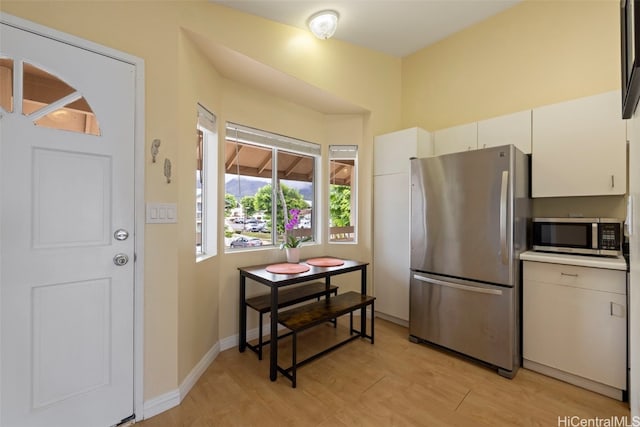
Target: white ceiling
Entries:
(395, 27)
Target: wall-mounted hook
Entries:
(167, 170)
(155, 148)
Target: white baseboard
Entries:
(197, 371)
(229, 342)
(161, 403)
(173, 398)
(392, 319)
(604, 389)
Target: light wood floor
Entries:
(391, 383)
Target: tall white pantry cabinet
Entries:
(391, 218)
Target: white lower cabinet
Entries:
(575, 325)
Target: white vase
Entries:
(293, 255)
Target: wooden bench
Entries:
(300, 318)
(286, 298)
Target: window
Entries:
(261, 167)
(342, 193)
(46, 99)
(6, 84)
(206, 184)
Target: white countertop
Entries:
(611, 263)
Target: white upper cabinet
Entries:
(392, 151)
(456, 138)
(509, 129)
(579, 148)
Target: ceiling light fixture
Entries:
(323, 24)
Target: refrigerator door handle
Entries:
(458, 286)
(503, 217)
(628, 222)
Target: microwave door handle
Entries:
(503, 217)
(594, 235)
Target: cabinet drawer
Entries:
(597, 279)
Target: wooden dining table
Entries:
(275, 281)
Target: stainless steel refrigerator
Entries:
(470, 212)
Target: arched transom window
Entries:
(46, 99)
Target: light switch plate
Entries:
(162, 213)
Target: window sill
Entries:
(203, 257)
(228, 250)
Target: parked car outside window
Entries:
(256, 228)
(245, 242)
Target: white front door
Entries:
(66, 188)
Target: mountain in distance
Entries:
(249, 186)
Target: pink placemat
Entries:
(325, 262)
(287, 268)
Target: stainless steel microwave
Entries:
(589, 236)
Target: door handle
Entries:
(475, 289)
(121, 234)
(503, 217)
(120, 259)
(629, 220)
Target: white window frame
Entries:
(207, 124)
(244, 134)
(344, 152)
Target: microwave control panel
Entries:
(609, 236)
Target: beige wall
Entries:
(190, 306)
(536, 53)
(197, 282)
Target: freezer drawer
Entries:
(472, 318)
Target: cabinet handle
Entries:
(619, 312)
(484, 145)
(613, 181)
(567, 274)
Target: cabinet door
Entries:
(391, 244)
(392, 151)
(510, 129)
(579, 148)
(579, 331)
(455, 139)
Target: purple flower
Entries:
(290, 241)
(293, 221)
